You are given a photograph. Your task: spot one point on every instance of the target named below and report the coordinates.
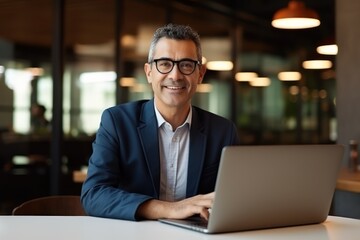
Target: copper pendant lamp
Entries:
(295, 16)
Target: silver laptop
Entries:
(262, 187)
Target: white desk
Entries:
(88, 228)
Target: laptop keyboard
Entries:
(198, 222)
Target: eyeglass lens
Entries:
(166, 65)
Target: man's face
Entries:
(173, 89)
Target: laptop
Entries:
(261, 187)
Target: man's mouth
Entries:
(174, 87)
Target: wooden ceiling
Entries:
(30, 22)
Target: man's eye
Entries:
(187, 65)
(165, 63)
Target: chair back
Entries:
(61, 205)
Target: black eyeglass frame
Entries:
(196, 63)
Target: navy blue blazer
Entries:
(124, 168)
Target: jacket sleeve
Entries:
(104, 192)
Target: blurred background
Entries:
(90, 58)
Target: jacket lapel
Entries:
(148, 134)
(196, 155)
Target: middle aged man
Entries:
(159, 158)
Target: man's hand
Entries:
(156, 209)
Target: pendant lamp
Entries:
(295, 16)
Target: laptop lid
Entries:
(273, 186)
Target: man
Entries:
(159, 158)
(39, 123)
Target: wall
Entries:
(348, 71)
(348, 88)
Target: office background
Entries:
(79, 57)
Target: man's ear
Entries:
(202, 73)
(147, 69)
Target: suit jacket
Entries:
(124, 168)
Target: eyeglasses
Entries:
(185, 66)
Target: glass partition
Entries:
(283, 112)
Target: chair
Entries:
(61, 205)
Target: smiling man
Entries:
(159, 158)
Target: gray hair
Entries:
(176, 32)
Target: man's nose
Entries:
(175, 72)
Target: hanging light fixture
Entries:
(330, 49)
(327, 47)
(317, 64)
(245, 76)
(289, 76)
(219, 65)
(260, 82)
(295, 16)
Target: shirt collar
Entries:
(161, 120)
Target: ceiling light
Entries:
(97, 77)
(127, 81)
(317, 64)
(17, 78)
(139, 88)
(289, 76)
(128, 41)
(204, 88)
(245, 76)
(220, 65)
(36, 71)
(295, 16)
(294, 90)
(260, 82)
(330, 49)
